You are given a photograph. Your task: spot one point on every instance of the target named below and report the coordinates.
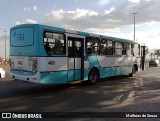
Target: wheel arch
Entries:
(136, 67)
(96, 69)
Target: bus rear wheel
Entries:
(133, 72)
(93, 76)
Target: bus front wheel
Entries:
(93, 76)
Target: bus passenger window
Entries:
(54, 43)
(139, 50)
(48, 49)
(74, 47)
(126, 49)
(58, 47)
(89, 50)
(136, 50)
(106, 47)
(118, 48)
(132, 49)
(93, 46)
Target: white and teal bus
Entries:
(52, 55)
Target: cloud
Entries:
(103, 2)
(114, 21)
(31, 21)
(35, 8)
(83, 19)
(79, 18)
(26, 9)
(110, 10)
(76, 1)
(27, 21)
(79, 13)
(134, 1)
(18, 23)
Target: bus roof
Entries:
(46, 27)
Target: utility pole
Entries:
(5, 46)
(134, 24)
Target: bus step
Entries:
(76, 81)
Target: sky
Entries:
(106, 17)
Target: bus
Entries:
(52, 55)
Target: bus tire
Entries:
(133, 71)
(93, 76)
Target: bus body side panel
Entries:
(125, 70)
(86, 70)
(59, 77)
(53, 69)
(75, 72)
(92, 61)
(106, 72)
(115, 65)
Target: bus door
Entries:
(143, 53)
(75, 58)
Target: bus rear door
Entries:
(75, 58)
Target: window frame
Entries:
(139, 49)
(128, 48)
(107, 53)
(118, 48)
(98, 46)
(78, 52)
(132, 49)
(55, 32)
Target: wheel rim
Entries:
(93, 76)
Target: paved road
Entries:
(118, 94)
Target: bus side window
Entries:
(118, 48)
(139, 50)
(71, 52)
(89, 50)
(48, 49)
(106, 47)
(109, 48)
(126, 49)
(54, 43)
(132, 49)
(93, 45)
(79, 52)
(58, 47)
